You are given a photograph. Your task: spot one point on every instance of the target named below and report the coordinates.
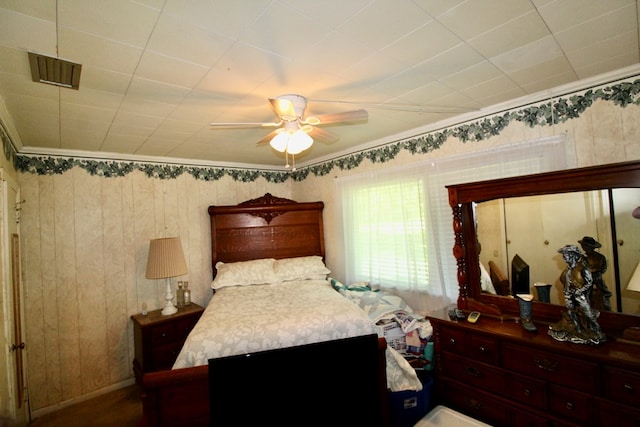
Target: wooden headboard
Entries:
(266, 227)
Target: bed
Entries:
(277, 230)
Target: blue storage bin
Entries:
(407, 407)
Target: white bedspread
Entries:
(245, 319)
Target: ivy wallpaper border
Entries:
(545, 113)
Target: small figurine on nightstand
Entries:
(579, 323)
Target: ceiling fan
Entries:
(295, 132)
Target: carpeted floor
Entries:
(121, 408)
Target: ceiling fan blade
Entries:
(243, 125)
(402, 107)
(283, 108)
(333, 118)
(267, 138)
(323, 135)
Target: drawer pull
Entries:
(475, 404)
(452, 341)
(569, 406)
(546, 365)
(474, 372)
(482, 349)
(628, 387)
(526, 392)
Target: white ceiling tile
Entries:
(427, 92)
(383, 22)
(23, 86)
(374, 67)
(226, 17)
(41, 133)
(82, 135)
(136, 119)
(170, 70)
(41, 9)
(538, 72)
(334, 48)
(333, 13)
(541, 84)
(283, 31)
(472, 76)
(121, 20)
(93, 78)
(89, 99)
(24, 32)
(14, 61)
(87, 49)
(127, 143)
(602, 66)
(472, 18)
(563, 14)
(428, 40)
(450, 62)
(603, 50)
(180, 39)
(437, 7)
(515, 33)
(146, 107)
(242, 69)
(602, 27)
(500, 88)
(527, 56)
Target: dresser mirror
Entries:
(508, 232)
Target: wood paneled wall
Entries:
(85, 245)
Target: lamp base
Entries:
(169, 310)
(169, 307)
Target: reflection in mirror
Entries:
(529, 231)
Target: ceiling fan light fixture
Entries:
(298, 142)
(280, 141)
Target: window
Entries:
(396, 224)
(387, 239)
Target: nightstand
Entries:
(158, 339)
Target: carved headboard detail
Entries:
(266, 227)
(267, 200)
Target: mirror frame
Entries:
(462, 199)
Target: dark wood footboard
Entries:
(180, 397)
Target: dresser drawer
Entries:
(527, 390)
(454, 341)
(476, 374)
(484, 349)
(622, 386)
(569, 403)
(479, 347)
(164, 334)
(610, 414)
(579, 374)
(526, 419)
(475, 403)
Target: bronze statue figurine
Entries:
(600, 293)
(579, 324)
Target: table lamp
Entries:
(166, 260)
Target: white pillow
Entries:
(301, 268)
(254, 272)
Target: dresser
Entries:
(158, 339)
(497, 372)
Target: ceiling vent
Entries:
(58, 72)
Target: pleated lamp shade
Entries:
(166, 259)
